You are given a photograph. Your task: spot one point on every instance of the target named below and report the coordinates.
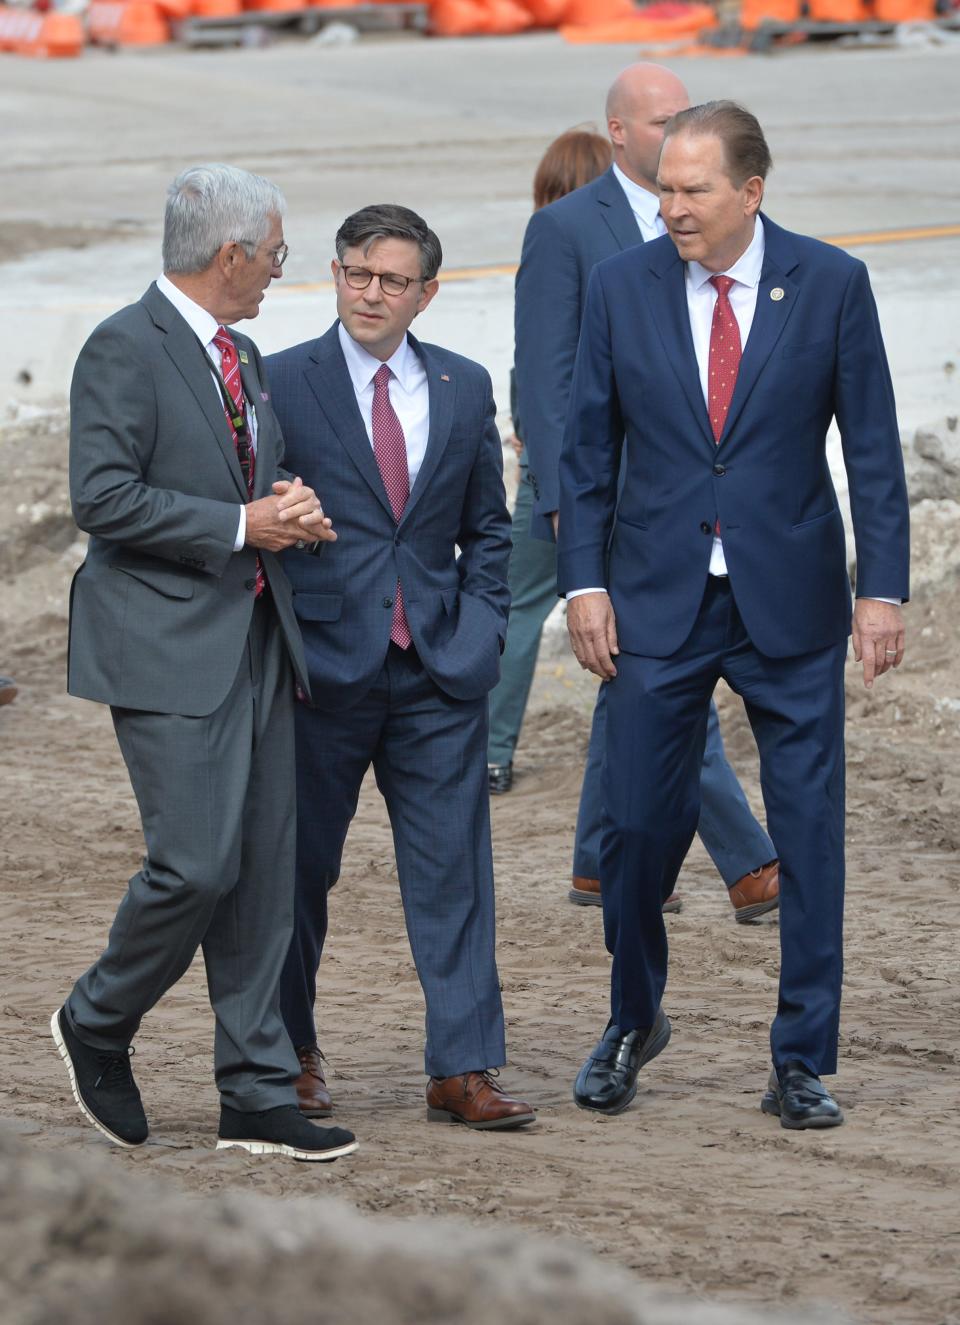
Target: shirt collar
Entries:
(640, 199)
(201, 323)
(362, 366)
(746, 269)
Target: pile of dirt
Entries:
(82, 1243)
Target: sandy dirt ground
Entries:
(692, 1189)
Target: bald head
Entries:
(640, 101)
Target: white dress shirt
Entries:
(407, 388)
(644, 205)
(701, 301)
(204, 326)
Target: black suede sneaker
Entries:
(283, 1131)
(103, 1085)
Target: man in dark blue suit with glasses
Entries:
(722, 353)
(402, 635)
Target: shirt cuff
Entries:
(241, 537)
(575, 593)
(872, 598)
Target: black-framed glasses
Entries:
(278, 254)
(358, 278)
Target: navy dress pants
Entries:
(428, 752)
(657, 710)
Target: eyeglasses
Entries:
(358, 278)
(278, 255)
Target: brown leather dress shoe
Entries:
(586, 892)
(475, 1100)
(756, 893)
(312, 1094)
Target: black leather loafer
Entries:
(800, 1099)
(500, 778)
(607, 1082)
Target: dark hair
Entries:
(573, 159)
(388, 220)
(744, 145)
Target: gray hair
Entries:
(744, 145)
(388, 220)
(212, 205)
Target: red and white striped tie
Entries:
(230, 372)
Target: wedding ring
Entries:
(891, 653)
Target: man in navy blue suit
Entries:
(721, 354)
(402, 638)
(562, 245)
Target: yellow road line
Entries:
(894, 236)
(510, 268)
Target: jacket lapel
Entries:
(616, 211)
(181, 345)
(442, 394)
(329, 380)
(668, 299)
(769, 319)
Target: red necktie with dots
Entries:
(724, 362)
(230, 372)
(390, 448)
(724, 355)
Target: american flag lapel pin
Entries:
(264, 395)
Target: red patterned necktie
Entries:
(230, 372)
(390, 448)
(724, 361)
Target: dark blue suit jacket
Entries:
(813, 354)
(562, 245)
(456, 605)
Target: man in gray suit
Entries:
(181, 621)
(403, 639)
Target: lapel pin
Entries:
(243, 356)
(776, 294)
(264, 395)
(444, 377)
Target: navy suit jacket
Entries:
(562, 245)
(814, 353)
(456, 605)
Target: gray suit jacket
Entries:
(456, 604)
(161, 607)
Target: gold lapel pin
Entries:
(776, 294)
(243, 356)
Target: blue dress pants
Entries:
(734, 840)
(658, 710)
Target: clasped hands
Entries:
(292, 515)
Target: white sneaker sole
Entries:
(278, 1148)
(90, 1117)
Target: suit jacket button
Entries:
(250, 584)
(719, 470)
(388, 602)
(706, 528)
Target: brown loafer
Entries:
(586, 892)
(756, 893)
(475, 1100)
(312, 1094)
